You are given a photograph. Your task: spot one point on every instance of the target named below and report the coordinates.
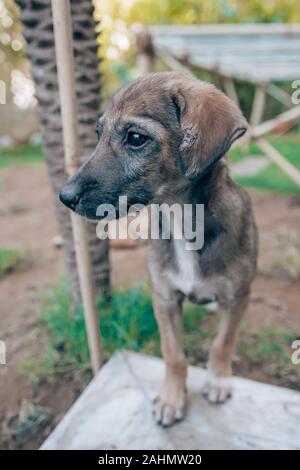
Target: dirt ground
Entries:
(27, 222)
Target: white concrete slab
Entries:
(114, 412)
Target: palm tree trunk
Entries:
(37, 19)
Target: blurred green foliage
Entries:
(11, 43)
(11, 40)
(116, 18)
(200, 11)
(27, 154)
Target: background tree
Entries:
(36, 17)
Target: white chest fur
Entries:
(187, 277)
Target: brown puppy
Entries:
(162, 138)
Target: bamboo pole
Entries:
(65, 66)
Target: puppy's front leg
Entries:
(170, 405)
(218, 386)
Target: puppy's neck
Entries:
(206, 188)
(206, 191)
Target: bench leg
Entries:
(258, 106)
(231, 90)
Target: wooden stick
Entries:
(280, 95)
(145, 50)
(216, 70)
(279, 160)
(288, 117)
(171, 61)
(231, 90)
(258, 106)
(65, 66)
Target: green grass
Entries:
(28, 154)
(267, 346)
(9, 260)
(271, 178)
(127, 322)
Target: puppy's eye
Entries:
(134, 139)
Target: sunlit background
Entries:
(115, 18)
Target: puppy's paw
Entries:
(217, 389)
(170, 407)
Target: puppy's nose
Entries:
(69, 196)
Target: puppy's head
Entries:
(161, 129)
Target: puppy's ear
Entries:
(210, 123)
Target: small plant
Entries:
(270, 352)
(126, 321)
(9, 260)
